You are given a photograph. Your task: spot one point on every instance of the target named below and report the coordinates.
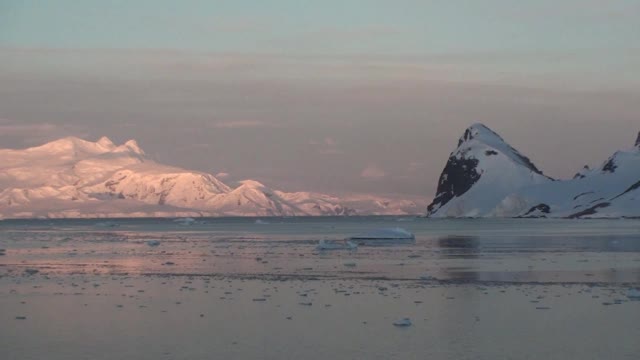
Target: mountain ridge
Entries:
(72, 177)
(512, 186)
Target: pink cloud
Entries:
(373, 171)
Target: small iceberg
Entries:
(107, 224)
(406, 322)
(633, 294)
(383, 236)
(185, 221)
(261, 222)
(325, 245)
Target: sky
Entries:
(339, 96)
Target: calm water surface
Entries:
(258, 288)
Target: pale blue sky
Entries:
(282, 90)
(286, 26)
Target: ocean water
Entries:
(249, 288)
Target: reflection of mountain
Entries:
(486, 259)
(486, 177)
(71, 178)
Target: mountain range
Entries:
(75, 178)
(486, 177)
(483, 177)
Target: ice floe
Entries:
(633, 294)
(336, 245)
(406, 322)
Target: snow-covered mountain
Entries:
(72, 177)
(482, 171)
(486, 177)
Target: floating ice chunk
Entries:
(329, 245)
(406, 322)
(185, 221)
(385, 234)
(153, 242)
(633, 294)
(261, 222)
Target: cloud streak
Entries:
(243, 124)
(373, 172)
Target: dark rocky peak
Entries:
(610, 166)
(638, 140)
(581, 174)
(483, 134)
(478, 130)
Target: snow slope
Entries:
(486, 177)
(609, 190)
(72, 177)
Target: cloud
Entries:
(326, 146)
(240, 124)
(373, 171)
(20, 134)
(223, 175)
(10, 128)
